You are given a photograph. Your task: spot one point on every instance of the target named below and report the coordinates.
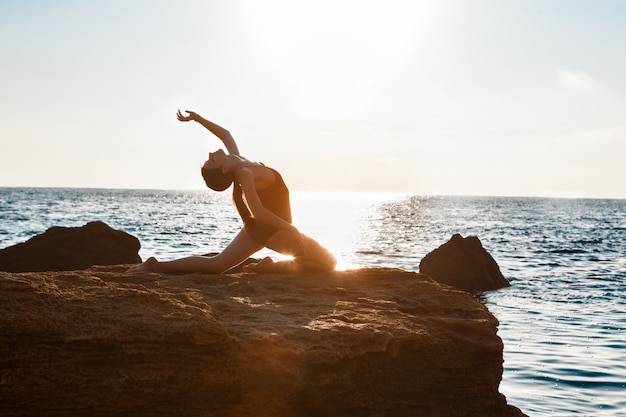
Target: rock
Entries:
(464, 264)
(368, 342)
(68, 248)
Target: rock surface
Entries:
(369, 342)
(69, 248)
(464, 264)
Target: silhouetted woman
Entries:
(262, 200)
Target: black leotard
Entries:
(275, 198)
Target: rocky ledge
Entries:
(367, 342)
(92, 340)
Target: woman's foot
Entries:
(150, 265)
(264, 265)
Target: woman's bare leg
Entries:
(237, 251)
(316, 257)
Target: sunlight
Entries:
(342, 228)
(335, 55)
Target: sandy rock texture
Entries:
(367, 342)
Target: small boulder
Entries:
(71, 248)
(464, 264)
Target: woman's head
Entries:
(216, 179)
(215, 171)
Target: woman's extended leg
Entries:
(315, 258)
(237, 251)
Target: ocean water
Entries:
(563, 320)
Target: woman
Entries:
(262, 200)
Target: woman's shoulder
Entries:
(250, 166)
(262, 175)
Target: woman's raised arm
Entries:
(223, 134)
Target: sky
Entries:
(447, 97)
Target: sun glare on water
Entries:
(338, 220)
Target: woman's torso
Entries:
(272, 191)
(275, 196)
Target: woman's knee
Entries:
(328, 262)
(320, 260)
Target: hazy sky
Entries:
(482, 97)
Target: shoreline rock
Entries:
(367, 342)
(68, 248)
(464, 264)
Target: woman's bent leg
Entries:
(237, 251)
(316, 258)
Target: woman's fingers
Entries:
(184, 118)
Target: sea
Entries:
(562, 321)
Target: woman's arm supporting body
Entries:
(223, 134)
(247, 179)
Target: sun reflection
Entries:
(338, 220)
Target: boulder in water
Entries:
(70, 248)
(464, 264)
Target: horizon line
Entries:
(336, 191)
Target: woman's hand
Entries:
(191, 116)
(223, 134)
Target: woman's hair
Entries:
(217, 180)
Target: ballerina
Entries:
(262, 200)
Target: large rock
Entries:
(370, 342)
(464, 264)
(68, 248)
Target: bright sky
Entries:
(481, 97)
